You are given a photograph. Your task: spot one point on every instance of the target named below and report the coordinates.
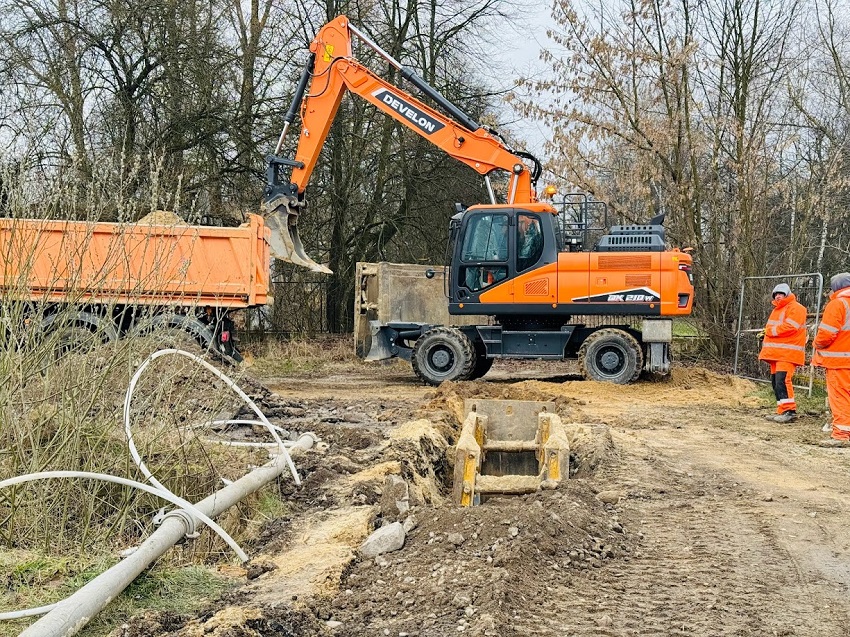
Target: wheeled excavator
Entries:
(610, 304)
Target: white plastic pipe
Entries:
(47, 475)
(219, 423)
(230, 383)
(72, 614)
(27, 612)
(164, 494)
(260, 445)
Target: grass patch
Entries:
(303, 355)
(34, 580)
(687, 328)
(269, 506)
(812, 405)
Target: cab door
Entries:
(482, 255)
(536, 265)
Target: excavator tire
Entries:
(482, 363)
(612, 356)
(443, 353)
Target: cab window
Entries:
(529, 241)
(486, 238)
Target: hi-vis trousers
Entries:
(781, 377)
(838, 390)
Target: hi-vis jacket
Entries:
(785, 333)
(832, 343)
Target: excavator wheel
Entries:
(482, 363)
(443, 353)
(612, 356)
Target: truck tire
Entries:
(175, 331)
(101, 329)
(72, 333)
(611, 355)
(443, 353)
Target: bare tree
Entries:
(380, 192)
(680, 104)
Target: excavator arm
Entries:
(330, 72)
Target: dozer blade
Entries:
(285, 244)
(381, 349)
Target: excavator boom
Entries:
(331, 71)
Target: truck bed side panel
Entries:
(128, 263)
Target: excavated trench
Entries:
(460, 570)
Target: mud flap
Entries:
(656, 335)
(658, 358)
(282, 219)
(225, 338)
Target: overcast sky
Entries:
(522, 59)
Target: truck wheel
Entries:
(76, 333)
(443, 353)
(612, 356)
(175, 331)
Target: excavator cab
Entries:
(494, 243)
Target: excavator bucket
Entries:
(282, 219)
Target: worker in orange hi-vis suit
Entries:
(784, 348)
(832, 352)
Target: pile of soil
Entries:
(161, 218)
(473, 570)
(644, 528)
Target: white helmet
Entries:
(782, 288)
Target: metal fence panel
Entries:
(300, 307)
(754, 306)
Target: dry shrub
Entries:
(304, 354)
(62, 386)
(69, 416)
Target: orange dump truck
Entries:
(108, 280)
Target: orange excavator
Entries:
(520, 262)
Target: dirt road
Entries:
(726, 524)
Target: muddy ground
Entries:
(688, 514)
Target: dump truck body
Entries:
(134, 264)
(112, 279)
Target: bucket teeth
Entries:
(282, 220)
